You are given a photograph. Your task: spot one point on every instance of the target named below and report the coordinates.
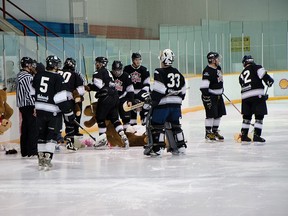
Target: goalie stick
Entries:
(127, 108)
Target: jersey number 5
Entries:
(43, 84)
(174, 80)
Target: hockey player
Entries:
(72, 81)
(50, 102)
(124, 86)
(140, 77)
(167, 95)
(212, 89)
(253, 98)
(108, 100)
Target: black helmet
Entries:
(117, 65)
(25, 61)
(135, 55)
(102, 60)
(70, 63)
(247, 59)
(117, 68)
(211, 56)
(53, 62)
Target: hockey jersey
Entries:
(140, 77)
(250, 80)
(124, 87)
(169, 87)
(212, 81)
(50, 93)
(103, 83)
(72, 81)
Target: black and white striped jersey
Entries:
(212, 81)
(168, 87)
(24, 89)
(250, 80)
(140, 78)
(50, 93)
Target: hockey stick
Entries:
(231, 103)
(77, 123)
(86, 76)
(126, 108)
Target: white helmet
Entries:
(167, 57)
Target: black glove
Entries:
(69, 117)
(207, 101)
(266, 97)
(268, 80)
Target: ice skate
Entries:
(70, 146)
(257, 138)
(41, 162)
(102, 142)
(47, 161)
(218, 136)
(124, 139)
(210, 137)
(245, 139)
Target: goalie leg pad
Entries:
(179, 136)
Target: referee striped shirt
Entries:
(24, 89)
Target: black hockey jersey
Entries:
(124, 87)
(103, 83)
(50, 94)
(72, 81)
(212, 81)
(169, 87)
(140, 78)
(250, 80)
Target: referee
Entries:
(26, 104)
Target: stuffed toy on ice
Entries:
(135, 139)
(5, 112)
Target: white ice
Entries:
(212, 179)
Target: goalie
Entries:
(166, 100)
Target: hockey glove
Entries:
(69, 116)
(268, 80)
(148, 104)
(207, 101)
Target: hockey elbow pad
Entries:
(268, 80)
(69, 116)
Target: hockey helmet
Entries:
(53, 62)
(211, 56)
(247, 59)
(135, 56)
(117, 68)
(25, 61)
(167, 57)
(102, 60)
(70, 63)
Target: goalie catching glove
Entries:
(69, 116)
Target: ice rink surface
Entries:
(212, 179)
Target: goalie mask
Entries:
(26, 61)
(70, 63)
(167, 57)
(247, 59)
(53, 62)
(117, 68)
